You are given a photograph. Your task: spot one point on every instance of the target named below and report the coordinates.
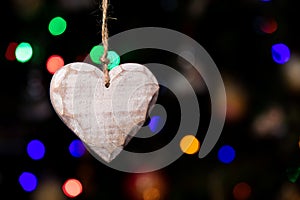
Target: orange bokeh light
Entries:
(72, 188)
(189, 144)
(151, 194)
(54, 63)
(147, 186)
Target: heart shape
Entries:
(105, 119)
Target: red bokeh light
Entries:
(54, 63)
(10, 51)
(72, 188)
(241, 191)
(268, 26)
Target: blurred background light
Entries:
(114, 59)
(76, 148)
(77, 5)
(226, 154)
(270, 123)
(156, 124)
(268, 25)
(291, 73)
(196, 8)
(151, 193)
(10, 51)
(27, 9)
(23, 52)
(96, 53)
(237, 99)
(72, 188)
(57, 26)
(280, 53)
(36, 149)
(289, 191)
(48, 189)
(28, 181)
(293, 174)
(54, 63)
(147, 186)
(35, 105)
(189, 144)
(241, 191)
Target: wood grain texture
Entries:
(105, 119)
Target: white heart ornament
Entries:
(105, 119)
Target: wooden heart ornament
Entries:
(105, 119)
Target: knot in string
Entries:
(104, 60)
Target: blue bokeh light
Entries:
(77, 148)
(36, 149)
(155, 124)
(226, 154)
(28, 181)
(281, 53)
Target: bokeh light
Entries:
(289, 191)
(189, 144)
(293, 174)
(237, 99)
(76, 148)
(241, 191)
(268, 26)
(151, 193)
(36, 149)
(155, 124)
(280, 53)
(28, 181)
(147, 186)
(114, 59)
(270, 123)
(27, 9)
(96, 53)
(49, 188)
(23, 52)
(72, 188)
(57, 26)
(54, 63)
(291, 73)
(10, 51)
(226, 154)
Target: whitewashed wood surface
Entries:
(105, 119)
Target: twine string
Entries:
(104, 59)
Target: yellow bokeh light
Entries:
(189, 144)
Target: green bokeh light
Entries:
(114, 59)
(23, 52)
(57, 26)
(293, 174)
(96, 53)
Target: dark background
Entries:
(263, 114)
